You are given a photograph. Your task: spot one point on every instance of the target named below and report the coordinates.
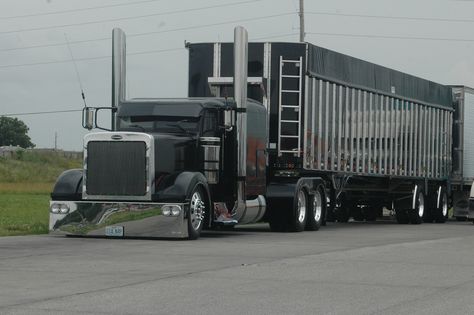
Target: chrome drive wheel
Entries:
(197, 210)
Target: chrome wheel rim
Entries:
(301, 206)
(317, 206)
(421, 204)
(444, 205)
(196, 210)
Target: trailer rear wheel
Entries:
(441, 210)
(315, 211)
(416, 214)
(196, 212)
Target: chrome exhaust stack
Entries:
(240, 96)
(118, 70)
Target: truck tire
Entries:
(300, 206)
(441, 209)
(196, 212)
(315, 210)
(416, 214)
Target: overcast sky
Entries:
(36, 79)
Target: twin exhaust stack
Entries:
(240, 96)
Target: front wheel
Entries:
(196, 212)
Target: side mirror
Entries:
(89, 117)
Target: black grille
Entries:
(116, 168)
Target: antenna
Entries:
(77, 71)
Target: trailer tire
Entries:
(315, 210)
(196, 212)
(441, 209)
(416, 214)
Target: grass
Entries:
(24, 213)
(26, 182)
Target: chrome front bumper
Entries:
(89, 218)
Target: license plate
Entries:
(114, 231)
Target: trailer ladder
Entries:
(289, 124)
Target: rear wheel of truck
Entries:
(196, 212)
(441, 210)
(416, 214)
(300, 206)
(315, 210)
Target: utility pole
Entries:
(301, 14)
(55, 141)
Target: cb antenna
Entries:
(77, 71)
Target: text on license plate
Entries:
(114, 231)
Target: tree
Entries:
(14, 132)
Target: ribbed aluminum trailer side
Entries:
(377, 137)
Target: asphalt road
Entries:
(354, 268)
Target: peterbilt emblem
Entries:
(116, 137)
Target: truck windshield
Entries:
(162, 124)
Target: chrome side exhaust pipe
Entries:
(118, 70)
(240, 96)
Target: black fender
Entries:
(180, 189)
(68, 186)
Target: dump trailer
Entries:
(463, 150)
(375, 137)
(287, 133)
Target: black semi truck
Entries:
(288, 133)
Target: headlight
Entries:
(171, 210)
(64, 208)
(175, 210)
(55, 208)
(59, 208)
(166, 210)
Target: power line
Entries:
(129, 18)
(154, 32)
(410, 18)
(88, 58)
(394, 37)
(76, 10)
(41, 113)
